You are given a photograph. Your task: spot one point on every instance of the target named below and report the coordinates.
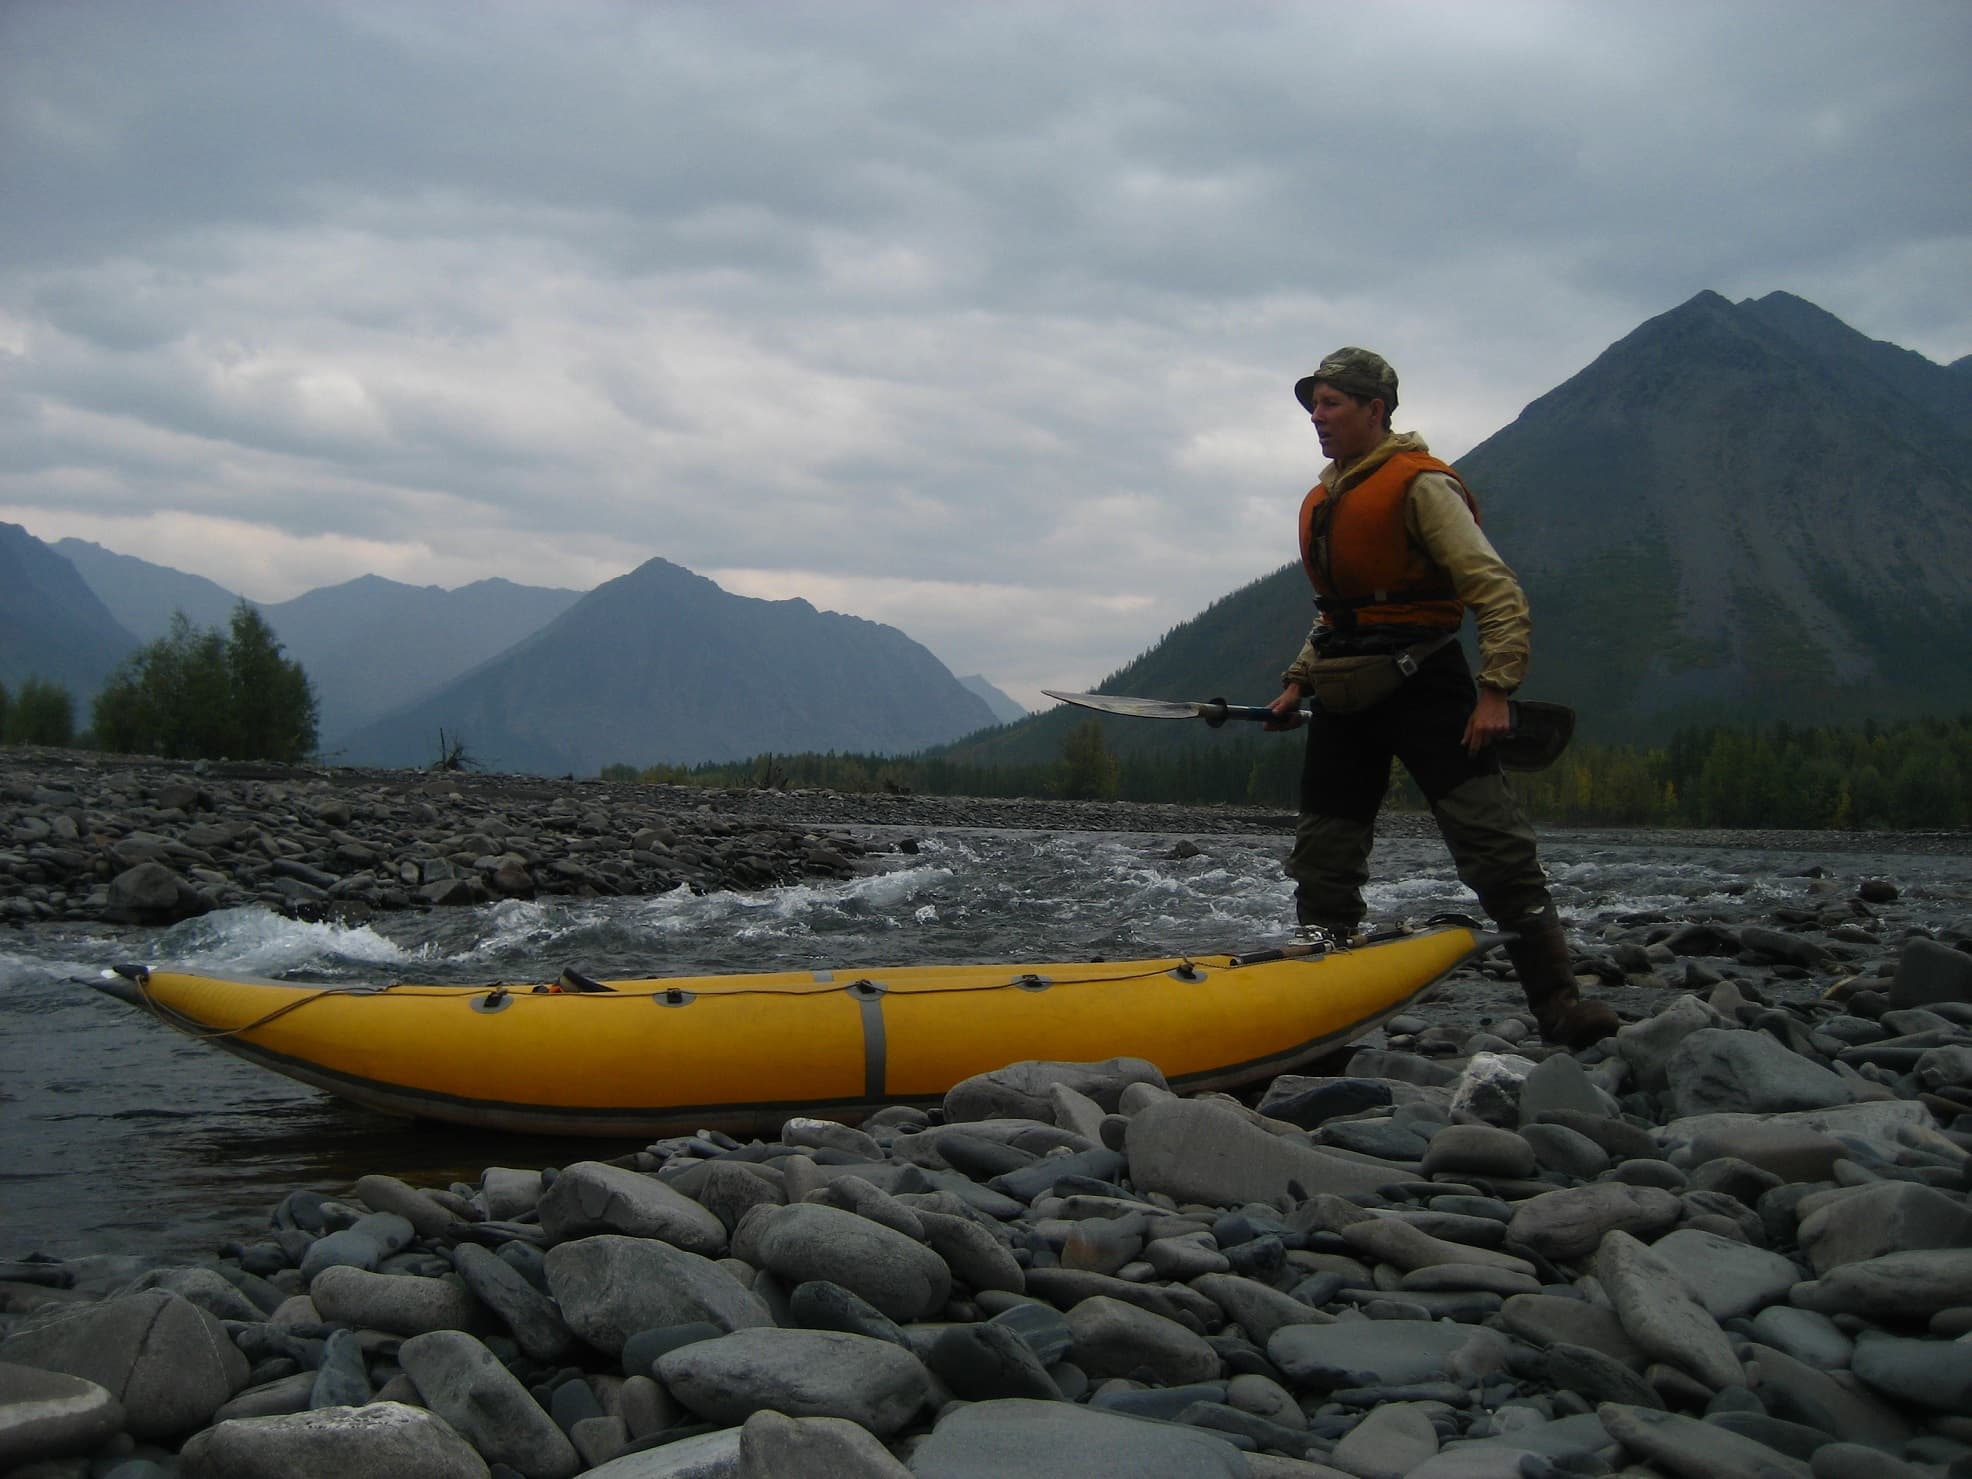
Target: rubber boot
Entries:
(1539, 952)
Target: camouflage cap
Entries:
(1355, 372)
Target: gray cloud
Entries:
(977, 319)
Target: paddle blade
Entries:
(1136, 708)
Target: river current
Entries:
(121, 1137)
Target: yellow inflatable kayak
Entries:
(743, 1052)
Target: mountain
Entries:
(663, 666)
(1742, 510)
(371, 645)
(1737, 512)
(52, 626)
(143, 596)
(1005, 710)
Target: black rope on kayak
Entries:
(492, 997)
(193, 1028)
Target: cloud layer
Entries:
(976, 319)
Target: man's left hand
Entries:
(1491, 720)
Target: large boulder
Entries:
(897, 1274)
(166, 1360)
(1021, 1435)
(801, 1373)
(333, 1443)
(594, 1197)
(1730, 1070)
(1199, 1150)
(1025, 1090)
(611, 1287)
(50, 1414)
(464, 1383)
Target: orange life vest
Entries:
(1361, 560)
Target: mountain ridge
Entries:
(727, 678)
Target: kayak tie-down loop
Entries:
(1030, 981)
(675, 996)
(1188, 973)
(574, 981)
(496, 1000)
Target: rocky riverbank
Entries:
(1732, 1240)
(134, 841)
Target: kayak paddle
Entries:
(1213, 711)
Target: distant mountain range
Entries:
(52, 625)
(1005, 709)
(1737, 512)
(368, 645)
(662, 664)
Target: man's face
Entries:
(1348, 428)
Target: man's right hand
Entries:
(1286, 710)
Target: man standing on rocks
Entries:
(1390, 540)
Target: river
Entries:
(120, 1137)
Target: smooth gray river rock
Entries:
(1390, 1442)
(1570, 1223)
(1660, 1316)
(1907, 1286)
(342, 1379)
(993, 1440)
(1807, 1336)
(398, 1304)
(1564, 1150)
(900, 1276)
(1117, 1339)
(1478, 1150)
(714, 1455)
(1025, 1090)
(591, 1197)
(51, 1414)
(1731, 1071)
(333, 1443)
(773, 1445)
(986, 1361)
(977, 1258)
(1392, 1240)
(610, 1287)
(1648, 1045)
(1856, 1223)
(1553, 1319)
(1799, 1393)
(1197, 1150)
(168, 1362)
(1930, 971)
(1726, 1276)
(1699, 1450)
(464, 1383)
(529, 1315)
(1923, 1373)
(1370, 1353)
(508, 1191)
(1257, 1308)
(428, 1217)
(802, 1373)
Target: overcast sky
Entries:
(975, 318)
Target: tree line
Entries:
(195, 693)
(1903, 775)
(198, 693)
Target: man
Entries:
(1390, 540)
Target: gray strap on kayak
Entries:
(868, 996)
